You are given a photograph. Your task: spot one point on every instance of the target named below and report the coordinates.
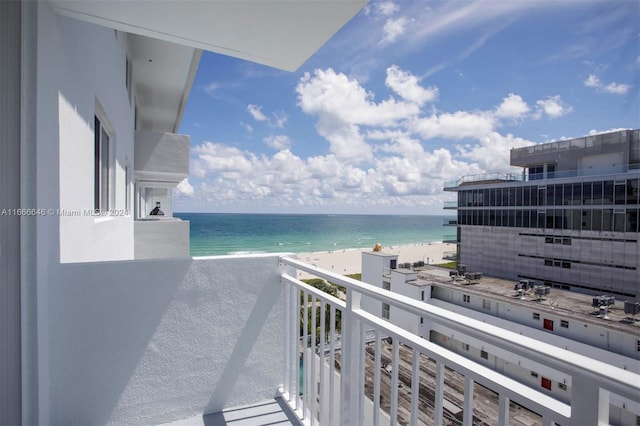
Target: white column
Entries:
(439, 394)
(349, 402)
(589, 403)
(503, 410)
(468, 402)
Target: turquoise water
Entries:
(218, 234)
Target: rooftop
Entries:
(558, 302)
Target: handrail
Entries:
(617, 380)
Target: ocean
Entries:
(219, 234)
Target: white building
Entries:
(92, 94)
(564, 319)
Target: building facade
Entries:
(91, 98)
(570, 220)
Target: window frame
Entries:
(104, 151)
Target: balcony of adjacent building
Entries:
(161, 162)
(449, 222)
(450, 205)
(241, 339)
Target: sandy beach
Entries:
(349, 261)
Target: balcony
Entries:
(158, 341)
(450, 205)
(450, 222)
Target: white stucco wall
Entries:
(148, 342)
(81, 65)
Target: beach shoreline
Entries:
(349, 261)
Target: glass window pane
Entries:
(596, 220)
(549, 221)
(607, 193)
(576, 194)
(607, 220)
(597, 193)
(586, 219)
(620, 193)
(619, 222)
(632, 191)
(586, 193)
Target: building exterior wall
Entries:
(574, 226)
(376, 268)
(148, 342)
(82, 71)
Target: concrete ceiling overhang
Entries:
(278, 33)
(163, 74)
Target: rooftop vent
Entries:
(632, 308)
(541, 291)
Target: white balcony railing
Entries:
(319, 395)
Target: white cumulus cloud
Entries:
(279, 142)
(408, 86)
(594, 82)
(552, 107)
(513, 106)
(256, 112)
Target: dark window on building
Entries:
(101, 166)
(597, 193)
(550, 195)
(422, 295)
(466, 298)
(385, 311)
(536, 172)
(536, 316)
(564, 323)
(586, 193)
(620, 194)
(547, 324)
(534, 374)
(545, 383)
(566, 264)
(551, 171)
(566, 241)
(484, 355)
(608, 193)
(562, 386)
(637, 345)
(548, 262)
(465, 346)
(548, 240)
(633, 186)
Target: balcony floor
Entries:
(270, 412)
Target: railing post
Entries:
(350, 370)
(438, 402)
(503, 410)
(467, 413)
(589, 403)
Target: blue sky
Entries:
(408, 95)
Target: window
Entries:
(102, 166)
(465, 346)
(484, 355)
(638, 346)
(564, 323)
(548, 262)
(385, 311)
(422, 295)
(562, 386)
(536, 316)
(566, 264)
(547, 324)
(534, 374)
(566, 241)
(466, 298)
